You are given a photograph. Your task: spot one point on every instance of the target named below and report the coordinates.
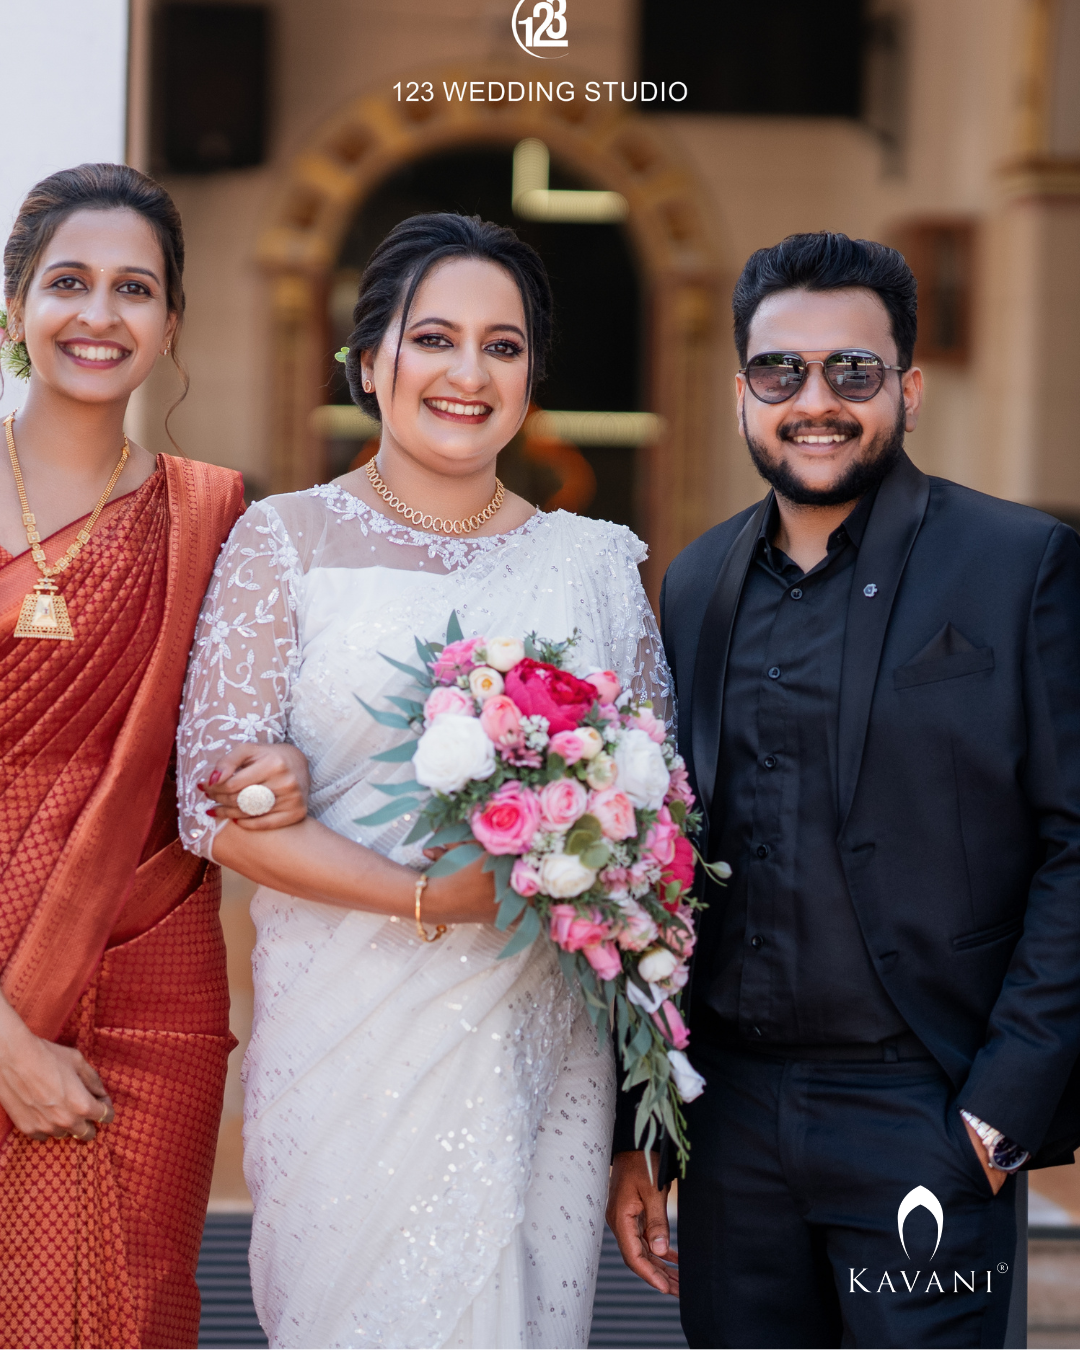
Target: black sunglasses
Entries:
(855, 375)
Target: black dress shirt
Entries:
(782, 956)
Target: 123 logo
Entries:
(542, 28)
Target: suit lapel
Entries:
(710, 664)
(890, 532)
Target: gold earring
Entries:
(368, 386)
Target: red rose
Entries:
(542, 690)
(680, 869)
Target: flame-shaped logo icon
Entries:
(920, 1197)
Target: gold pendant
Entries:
(44, 614)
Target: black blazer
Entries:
(958, 776)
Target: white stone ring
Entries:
(256, 800)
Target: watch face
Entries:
(1007, 1156)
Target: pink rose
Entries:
(671, 1025)
(645, 721)
(606, 683)
(447, 699)
(614, 811)
(681, 940)
(681, 867)
(455, 659)
(501, 720)
(567, 744)
(525, 879)
(543, 690)
(508, 821)
(638, 929)
(561, 803)
(572, 931)
(604, 959)
(616, 880)
(660, 840)
(679, 787)
(678, 979)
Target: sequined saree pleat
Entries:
(109, 933)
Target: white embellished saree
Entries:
(427, 1127)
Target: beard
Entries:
(857, 479)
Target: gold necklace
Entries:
(436, 523)
(44, 613)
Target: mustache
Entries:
(787, 431)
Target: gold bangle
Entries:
(422, 933)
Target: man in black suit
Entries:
(878, 676)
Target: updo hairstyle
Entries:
(405, 257)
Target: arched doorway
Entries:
(600, 146)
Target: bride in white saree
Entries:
(427, 1127)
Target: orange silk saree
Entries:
(110, 938)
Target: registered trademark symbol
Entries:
(1002, 1268)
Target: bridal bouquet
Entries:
(581, 808)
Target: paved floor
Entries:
(628, 1314)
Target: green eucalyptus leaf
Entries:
(421, 677)
(454, 859)
(391, 811)
(385, 719)
(527, 931)
(408, 706)
(597, 857)
(397, 789)
(456, 833)
(399, 754)
(420, 830)
(453, 629)
(509, 909)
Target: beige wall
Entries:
(766, 177)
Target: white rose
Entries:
(563, 875)
(689, 1084)
(657, 964)
(451, 752)
(643, 775)
(601, 773)
(485, 683)
(590, 740)
(504, 653)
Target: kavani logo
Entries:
(921, 1282)
(541, 28)
(920, 1197)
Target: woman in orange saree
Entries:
(114, 1027)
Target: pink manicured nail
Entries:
(212, 811)
(215, 776)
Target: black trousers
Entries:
(802, 1221)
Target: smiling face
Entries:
(462, 376)
(95, 317)
(819, 449)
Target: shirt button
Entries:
(774, 672)
(769, 761)
(757, 942)
(762, 850)
(796, 593)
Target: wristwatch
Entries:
(1002, 1153)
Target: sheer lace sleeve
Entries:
(243, 661)
(632, 646)
(651, 679)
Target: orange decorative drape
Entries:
(109, 933)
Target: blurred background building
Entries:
(645, 158)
